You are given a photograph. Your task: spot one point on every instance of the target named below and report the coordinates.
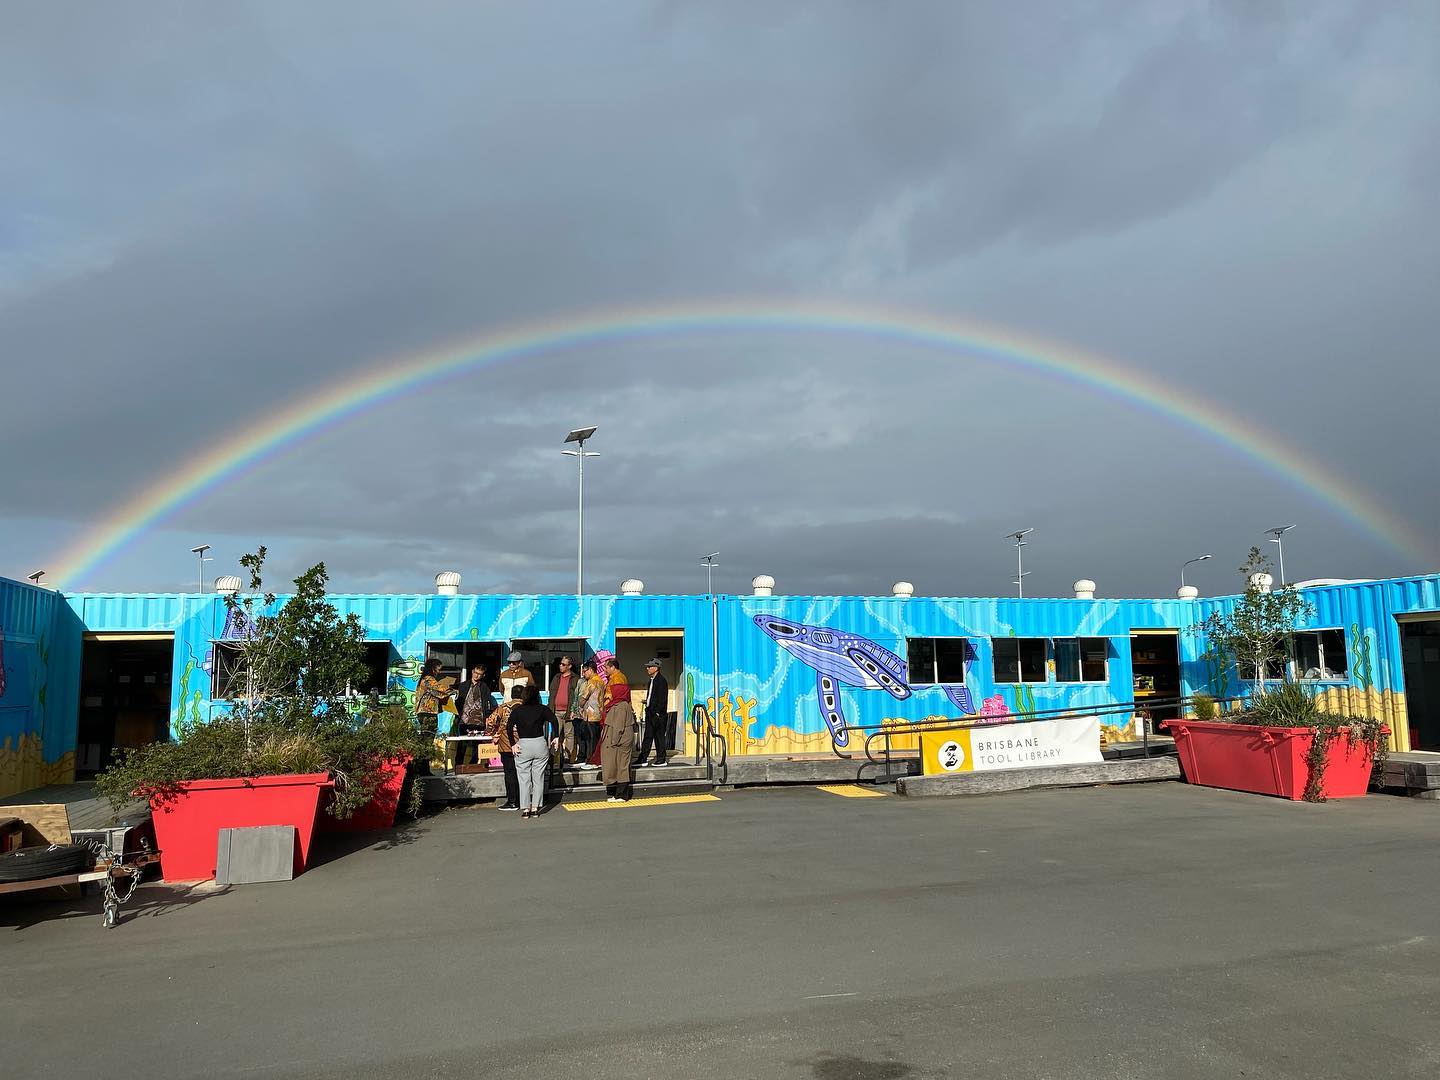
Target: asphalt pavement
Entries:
(1149, 931)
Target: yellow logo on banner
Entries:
(948, 751)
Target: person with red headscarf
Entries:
(617, 734)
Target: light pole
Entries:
(578, 436)
(199, 552)
(709, 561)
(1277, 538)
(1198, 558)
(34, 578)
(1019, 537)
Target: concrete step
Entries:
(491, 785)
(666, 787)
(575, 778)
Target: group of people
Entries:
(588, 718)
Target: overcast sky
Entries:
(208, 210)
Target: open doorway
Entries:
(633, 648)
(458, 657)
(124, 696)
(1420, 651)
(1155, 664)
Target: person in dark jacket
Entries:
(473, 703)
(657, 716)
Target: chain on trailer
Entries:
(110, 862)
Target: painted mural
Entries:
(39, 686)
(798, 674)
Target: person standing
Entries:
(617, 745)
(589, 704)
(564, 690)
(474, 703)
(534, 735)
(617, 734)
(431, 694)
(657, 716)
(497, 726)
(513, 674)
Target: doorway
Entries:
(1420, 651)
(633, 648)
(458, 657)
(124, 696)
(1155, 664)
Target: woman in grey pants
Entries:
(528, 723)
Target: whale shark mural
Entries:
(839, 658)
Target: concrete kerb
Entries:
(1129, 771)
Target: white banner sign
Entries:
(1011, 746)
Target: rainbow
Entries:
(338, 402)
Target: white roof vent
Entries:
(1084, 589)
(1262, 581)
(632, 586)
(763, 584)
(903, 590)
(1187, 592)
(447, 583)
(228, 585)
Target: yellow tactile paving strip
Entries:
(648, 800)
(852, 791)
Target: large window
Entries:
(932, 661)
(1320, 654)
(1081, 660)
(1274, 669)
(227, 671)
(1019, 660)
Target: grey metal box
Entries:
(261, 853)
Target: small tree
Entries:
(298, 714)
(1257, 630)
(304, 658)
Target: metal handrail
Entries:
(705, 733)
(879, 731)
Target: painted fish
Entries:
(842, 659)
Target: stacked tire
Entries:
(43, 861)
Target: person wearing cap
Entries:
(657, 715)
(514, 674)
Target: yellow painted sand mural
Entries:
(24, 767)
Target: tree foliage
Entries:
(298, 714)
(1256, 631)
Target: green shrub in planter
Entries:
(1290, 705)
(297, 715)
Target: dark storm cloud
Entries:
(212, 211)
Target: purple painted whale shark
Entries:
(839, 658)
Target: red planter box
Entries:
(187, 827)
(1267, 760)
(379, 812)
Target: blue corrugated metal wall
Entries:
(40, 642)
(769, 699)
